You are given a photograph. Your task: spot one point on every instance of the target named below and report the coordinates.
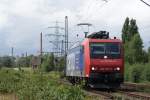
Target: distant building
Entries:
(35, 62)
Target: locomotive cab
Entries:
(104, 60)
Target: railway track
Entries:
(134, 95)
(103, 95)
(125, 93)
(106, 95)
(130, 91)
(139, 85)
(134, 86)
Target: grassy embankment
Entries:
(29, 85)
(33, 85)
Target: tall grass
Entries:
(37, 86)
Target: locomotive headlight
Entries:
(118, 68)
(93, 68)
(105, 57)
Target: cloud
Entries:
(111, 15)
(21, 21)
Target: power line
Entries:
(145, 3)
(105, 0)
(57, 36)
(94, 4)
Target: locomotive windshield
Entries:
(99, 50)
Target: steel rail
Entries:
(135, 95)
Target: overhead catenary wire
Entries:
(87, 12)
(94, 4)
(90, 5)
(145, 2)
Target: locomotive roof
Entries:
(101, 36)
(104, 40)
(101, 40)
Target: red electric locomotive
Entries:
(98, 60)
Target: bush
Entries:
(48, 63)
(137, 72)
(127, 72)
(42, 88)
(146, 73)
(37, 86)
(9, 81)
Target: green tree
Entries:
(52, 61)
(149, 54)
(147, 72)
(133, 43)
(48, 63)
(24, 61)
(129, 53)
(136, 73)
(137, 48)
(1, 63)
(125, 30)
(144, 58)
(8, 61)
(61, 63)
(133, 29)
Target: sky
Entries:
(22, 21)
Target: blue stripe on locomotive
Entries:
(77, 61)
(81, 60)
